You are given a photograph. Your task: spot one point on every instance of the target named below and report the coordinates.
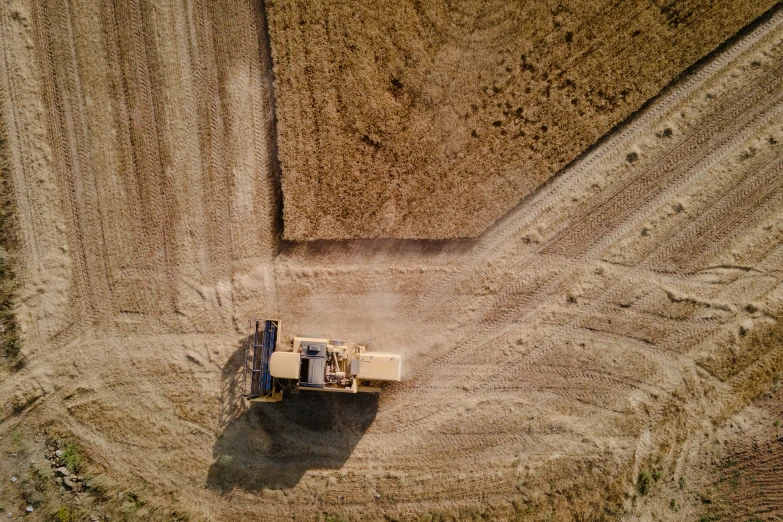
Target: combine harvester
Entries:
(315, 363)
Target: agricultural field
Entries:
(610, 348)
(432, 120)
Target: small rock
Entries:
(67, 483)
(62, 470)
(13, 479)
(119, 495)
(29, 509)
(59, 453)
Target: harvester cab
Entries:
(313, 363)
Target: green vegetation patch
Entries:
(73, 458)
(646, 481)
(10, 343)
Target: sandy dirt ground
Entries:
(735, 473)
(434, 119)
(612, 324)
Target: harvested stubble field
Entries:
(617, 324)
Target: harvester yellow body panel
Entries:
(313, 363)
(284, 365)
(379, 366)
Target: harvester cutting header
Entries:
(315, 363)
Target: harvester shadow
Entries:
(272, 445)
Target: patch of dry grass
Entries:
(10, 343)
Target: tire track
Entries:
(694, 243)
(619, 202)
(508, 234)
(29, 158)
(698, 197)
(518, 296)
(63, 161)
(212, 136)
(216, 196)
(142, 153)
(511, 298)
(136, 230)
(151, 96)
